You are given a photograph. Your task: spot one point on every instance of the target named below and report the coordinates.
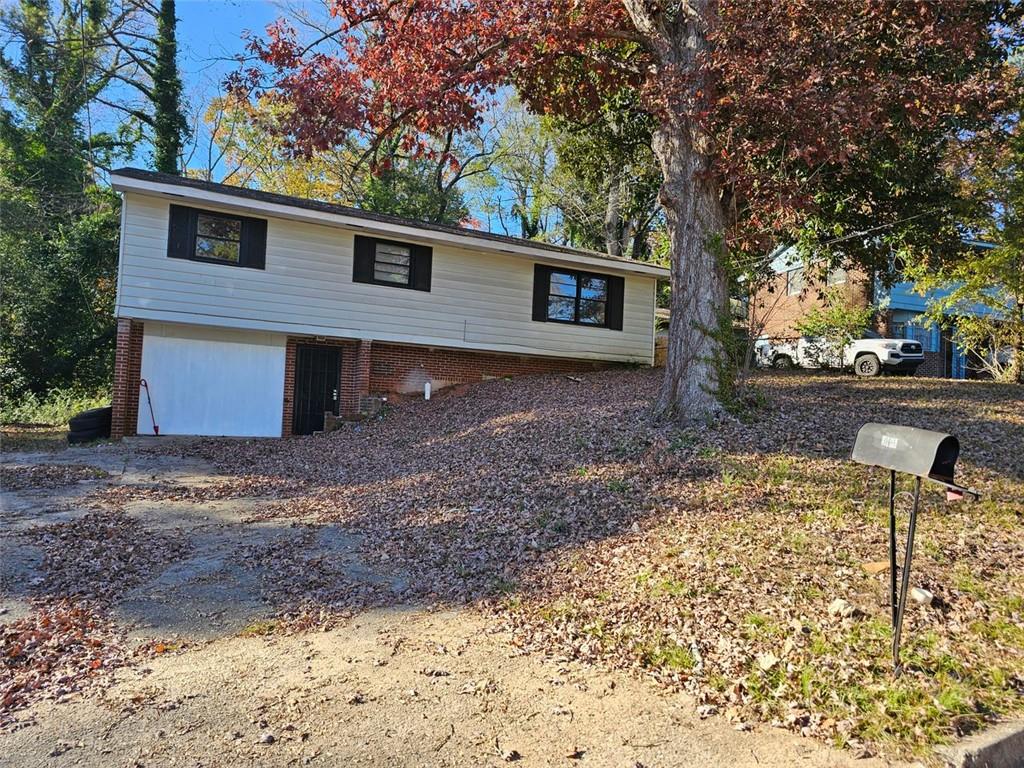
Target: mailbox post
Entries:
(926, 455)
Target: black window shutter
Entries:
(422, 264)
(616, 295)
(362, 265)
(181, 232)
(541, 286)
(254, 243)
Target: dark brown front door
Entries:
(317, 381)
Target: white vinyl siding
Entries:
(476, 300)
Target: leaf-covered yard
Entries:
(706, 558)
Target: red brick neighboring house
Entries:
(779, 306)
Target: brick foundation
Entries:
(933, 367)
(127, 373)
(359, 387)
(403, 368)
(377, 368)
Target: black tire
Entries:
(95, 418)
(88, 425)
(87, 435)
(782, 363)
(867, 365)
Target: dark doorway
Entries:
(317, 381)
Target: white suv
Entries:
(867, 356)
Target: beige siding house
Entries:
(249, 313)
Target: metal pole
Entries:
(905, 583)
(892, 545)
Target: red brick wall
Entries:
(373, 367)
(402, 368)
(127, 372)
(359, 371)
(288, 411)
(780, 313)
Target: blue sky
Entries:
(210, 34)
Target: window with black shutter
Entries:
(387, 262)
(580, 298)
(217, 238)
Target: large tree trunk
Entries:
(696, 228)
(676, 33)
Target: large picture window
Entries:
(577, 297)
(581, 298)
(216, 238)
(387, 262)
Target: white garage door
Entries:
(212, 382)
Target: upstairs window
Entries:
(216, 238)
(579, 298)
(392, 263)
(386, 262)
(795, 281)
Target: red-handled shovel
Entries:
(152, 416)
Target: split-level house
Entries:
(246, 313)
(796, 287)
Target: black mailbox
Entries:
(925, 455)
(915, 451)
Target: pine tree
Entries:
(169, 122)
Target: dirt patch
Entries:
(163, 556)
(395, 688)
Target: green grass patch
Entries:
(618, 486)
(261, 628)
(54, 409)
(665, 653)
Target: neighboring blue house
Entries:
(906, 310)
